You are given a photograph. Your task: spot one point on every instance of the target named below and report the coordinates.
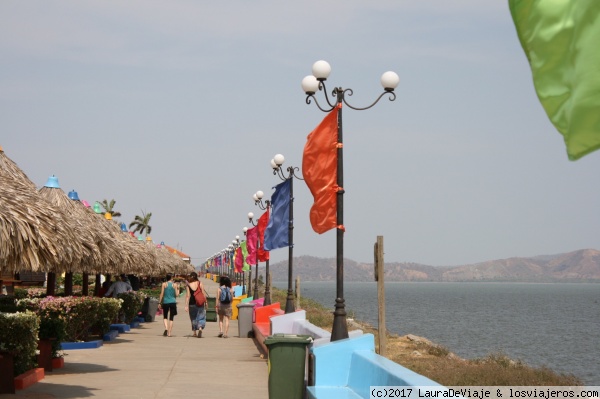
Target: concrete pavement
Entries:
(144, 364)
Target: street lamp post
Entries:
(251, 221)
(311, 84)
(265, 206)
(229, 250)
(250, 268)
(276, 164)
(236, 244)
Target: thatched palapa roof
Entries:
(34, 235)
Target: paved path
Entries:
(144, 364)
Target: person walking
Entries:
(197, 313)
(169, 292)
(224, 299)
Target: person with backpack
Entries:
(224, 299)
(196, 310)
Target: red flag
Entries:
(239, 260)
(251, 245)
(263, 255)
(319, 168)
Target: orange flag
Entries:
(319, 168)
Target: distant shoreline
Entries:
(448, 282)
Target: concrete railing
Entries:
(296, 323)
(349, 367)
(262, 322)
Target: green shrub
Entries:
(8, 304)
(20, 293)
(81, 315)
(53, 327)
(151, 292)
(131, 305)
(19, 336)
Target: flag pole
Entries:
(340, 327)
(276, 164)
(311, 84)
(266, 205)
(289, 302)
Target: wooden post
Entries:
(7, 377)
(68, 283)
(270, 285)
(297, 292)
(379, 277)
(45, 357)
(51, 284)
(85, 286)
(98, 284)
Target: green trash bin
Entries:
(211, 309)
(287, 364)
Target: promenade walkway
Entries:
(144, 364)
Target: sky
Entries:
(177, 108)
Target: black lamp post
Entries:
(265, 206)
(251, 221)
(250, 268)
(311, 84)
(276, 163)
(236, 244)
(230, 265)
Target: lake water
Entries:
(557, 325)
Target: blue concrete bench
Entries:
(347, 368)
(262, 323)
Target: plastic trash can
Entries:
(149, 308)
(287, 365)
(245, 319)
(211, 311)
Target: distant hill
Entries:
(578, 266)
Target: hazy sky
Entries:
(177, 107)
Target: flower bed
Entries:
(81, 316)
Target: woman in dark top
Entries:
(197, 313)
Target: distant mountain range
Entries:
(578, 266)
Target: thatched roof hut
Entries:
(34, 235)
(167, 262)
(10, 169)
(133, 258)
(48, 231)
(91, 237)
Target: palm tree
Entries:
(142, 223)
(108, 207)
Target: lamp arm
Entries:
(279, 173)
(292, 172)
(350, 92)
(310, 97)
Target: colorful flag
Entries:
(263, 255)
(246, 266)
(561, 39)
(319, 168)
(239, 260)
(277, 232)
(251, 241)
